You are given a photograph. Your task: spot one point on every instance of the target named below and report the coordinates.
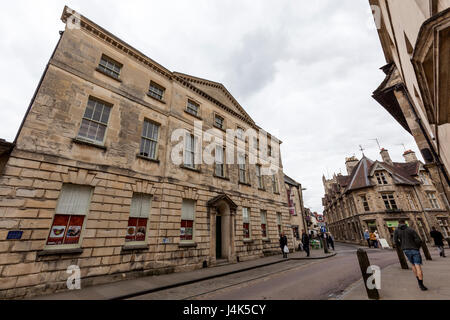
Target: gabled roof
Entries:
(360, 175)
(218, 92)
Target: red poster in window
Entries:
(73, 233)
(264, 231)
(58, 230)
(246, 231)
(132, 229)
(141, 229)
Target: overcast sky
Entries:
(303, 70)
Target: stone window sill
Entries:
(108, 75)
(191, 169)
(155, 98)
(131, 247)
(193, 115)
(266, 240)
(187, 245)
(245, 184)
(262, 189)
(88, 143)
(147, 159)
(222, 129)
(223, 178)
(52, 252)
(248, 241)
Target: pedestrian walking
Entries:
(438, 241)
(330, 240)
(306, 243)
(410, 242)
(367, 237)
(283, 245)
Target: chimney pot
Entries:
(410, 156)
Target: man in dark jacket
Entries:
(283, 243)
(438, 241)
(409, 241)
(305, 242)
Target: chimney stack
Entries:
(351, 163)
(410, 156)
(385, 156)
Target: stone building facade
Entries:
(297, 221)
(92, 181)
(416, 43)
(375, 195)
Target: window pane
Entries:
(187, 210)
(73, 233)
(74, 199)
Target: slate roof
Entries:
(291, 181)
(402, 174)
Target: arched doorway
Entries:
(222, 215)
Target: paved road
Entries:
(291, 280)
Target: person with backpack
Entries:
(409, 241)
(283, 244)
(306, 243)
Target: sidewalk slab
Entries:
(129, 288)
(399, 284)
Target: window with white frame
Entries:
(264, 224)
(187, 220)
(70, 215)
(110, 67)
(139, 215)
(242, 168)
(95, 121)
(389, 201)
(240, 133)
(259, 177)
(220, 161)
(149, 141)
(156, 91)
(192, 108)
(424, 178)
(246, 222)
(381, 178)
(275, 186)
(433, 200)
(189, 150)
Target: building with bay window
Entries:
(96, 179)
(415, 39)
(376, 195)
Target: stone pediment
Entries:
(218, 92)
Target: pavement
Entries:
(399, 284)
(132, 288)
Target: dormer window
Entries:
(381, 178)
(424, 178)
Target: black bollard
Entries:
(364, 265)
(448, 241)
(426, 252)
(325, 247)
(401, 257)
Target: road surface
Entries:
(290, 280)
